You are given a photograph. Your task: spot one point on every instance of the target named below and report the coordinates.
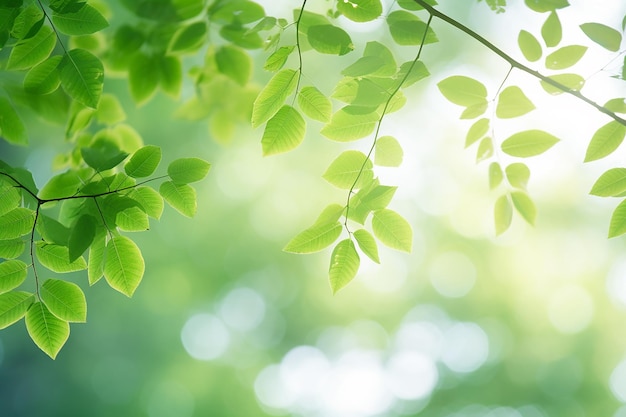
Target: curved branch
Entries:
(516, 64)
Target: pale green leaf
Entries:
(388, 152)
(329, 39)
(517, 174)
(12, 274)
(188, 170)
(351, 169)
(44, 77)
(495, 175)
(235, 63)
(407, 29)
(16, 223)
(12, 248)
(82, 76)
(617, 105)
(143, 162)
(605, 141)
(475, 110)
(551, 30)
(528, 143)
(346, 125)
(65, 300)
(380, 52)
(463, 91)
(503, 213)
(95, 269)
(273, 95)
(524, 206)
(392, 229)
(617, 226)
(376, 197)
(331, 214)
(543, 6)
(150, 201)
(124, 265)
(611, 183)
(277, 60)
(411, 72)
(132, 219)
(12, 128)
(477, 131)
(62, 185)
(283, 132)
(31, 51)
(367, 244)
(565, 57)
(360, 10)
(57, 258)
(571, 81)
(181, 197)
(344, 264)
(13, 306)
(485, 150)
(47, 331)
(529, 45)
(512, 102)
(603, 35)
(315, 238)
(314, 104)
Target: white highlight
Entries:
(205, 337)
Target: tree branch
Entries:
(516, 64)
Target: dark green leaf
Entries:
(30, 52)
(188, 38)
(44, 77)
(12, 128)
(102, 155)
(143, 77)
(82, 234)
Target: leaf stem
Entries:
(298, 48)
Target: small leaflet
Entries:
(344, 264)
(503, 213)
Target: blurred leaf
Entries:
(315, 238)
(181, 197)
(367, 244)
(188, 38)
(344, 264)
(346, 126)
(407, 29)
(235, 63)
(16, 223)
(485, 150)
(350, 169)
(392, 229)
(528, 143)
(572, 81)
(605, 141)
(57, 258)
(388, 152)
(85, 20)
(565, 57)
(82, 76)
(617, 105)
(611, 183)
(170, 74)
(47, 331)
(30, 52)
(110, 110)
(524, 206)
(551, 31)
(276, 60)
(95, 269)
(329, 39)
(542, 6)
(360, 10)
(273, 95)
(240, 36)
(478, 130)
(529, 45)
(618, 220)
(517, 174)
(603, 35)
(331, 214)
(283, 132)
(81, 236)
(503, 213)
(188, 170)
(12, 274)
(143, 77)
(495, 175)
(12, 128)
(13, 306)
(463, 91)
(512, 102)
(412, 5)
(65, 300)
(314, 104)
(143, 162)
(124, 266)
(44, 77)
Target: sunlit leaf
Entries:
(12, 274)
(412, 5)
(603, 35)
(65, 300)
(411, 72)
(331, 214)
(571, 81)
(565, 57)
(605, 141)
(344, 264)
(350, 169)
(13, 306)
(329, 39)
(529, 45)
(551, 31)
(528, 143)
(124, 265)
(542, 6)
(82, 76)
(360, 10)
(143, 162)
(463, 91)
(388, 152)
(150, 200)
(273, 95)
(277, 60)
(95, 269)
(57, 258)
(617, 226)
(44, 78)
(485, 149)
(12, 128)
(10, 197)
(345, 125)
(512, 102)
(188, 170)
(365, 65)
(103, 154)
(181, 197)
(392, 229)
(495, 175)
(367, 244)
(12, 248)
(16, 223)
(314, 104)
(110, 110)
(407, 29)
(235, 63)
(376, 197)
(617, 105)
(524, 206)
(28, 22)
(475, 110)
(477, 131)
(315, 238)
(85, 20)
(382, 54)
(283, 132)
(517, 174)
(503, 213)
(30, 52)
(47, 331)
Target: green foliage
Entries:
(344, 265)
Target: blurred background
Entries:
(528, 324)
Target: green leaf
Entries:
(12, 274)
(346, 125)
(603, 35)
(351, 169)
(495, 175)
(512, 102)
(239, 35)
(463, 91)
(524, 206)
(477, 131)
(182, 197)
(529, 45)
(416, 71)
(611, 183)
(388, 152)
(11, 248)
(143, 77)
(381, 53)
(95, 269)
(367, 244)
(412, 5)
(377, 197)
(503, 213)
(57, 258)
(572, 81)
(273, 95)
(331, 214)
(551, 31)
(132, 219)
(62, 185)
(344, 264)
(43, 78)
(27, 22)
(103, 154)
(474, 111)
(10, 197)
(188, 38)
(283, 132)
(82, 76)
(170, 74)
(81, 236)
(30, 52)
(65, 300)
(542, 6)
(617, 105)
(329, 39)
(605, 141)
(314, 104)
(84, 21)
(12, 128)
(16, 223)
(365, 65)
(110, 110)
(360, 10)
(517, 174)
(47, 331)
(150, 201)
(188, 170)
(315, 238)
(235, 63)
(13, 306)
(124, 266)
(565, 57)
(392, 229)
(528, 143)
(277, 60)
(243, 11)
(52, 231)
(617, 226)
(144, 162)
(485, 150)
(407, 29)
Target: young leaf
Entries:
(235, 63)
(57, 258)
(411, 72)
(407, 29)
(503, 213)
(367, 244)
(475, 111)
(551, 31)
(12, 128)
(611, 183)
(528, 143)
(605, 141)
(13, 306)
(84, 21)
(314, 104)
(273, 95)
(350, 169)
(283, 132)
(617, 105)
(524, 206)
(478, 130)
(277, 60)
(30, 52)
(47, 331)
(12, 248)
(150, 201)
(543, 6)
(517, 174)
(95, 269)
(376, 196)
(618, 220)
(529, 45)
(132, 219)
(16, 223)
(388, 152)
(315, 238)
(12, 274)
(144, 162)
(62, 185)
(365, 65)
(81, 236)
(65, 300)
(329, 39)
(463, 91)
(124, 266)
(188, 170)
(485, 150)
(344, 264)
(565, 57)
(346, 126)
(43, 78)
(603, 35)
(181, 197)
(495, 175)
(512, 102)
(392, 229)
(82, 76)
(572, 81)
(381, 53)
(360, 10)
(10, 197)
